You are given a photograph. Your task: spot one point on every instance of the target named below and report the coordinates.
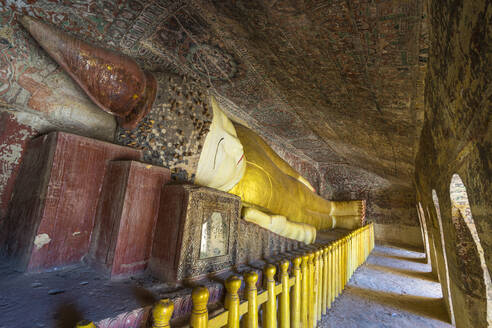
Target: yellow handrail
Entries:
(318, 277)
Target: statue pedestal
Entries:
(126, 216)
(196, 233)
(56, 196)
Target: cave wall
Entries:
(457, 139)
(390, 205)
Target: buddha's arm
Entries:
(280, 225)
(276, 159)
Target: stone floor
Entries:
(394, 288)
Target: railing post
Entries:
(311, 314)
(373, 237)
(344, 243)
(330, 276)
(346, 261)
(270, 307)
(232, 284)
(324, 296)
(161, 313)
(319, 284)
(339, 267)
(199, 312)
(315, 287)
(85, 324)
(353, 254)
(296, 295)
(252, 316)
(335, 271)
(305, 291)
(284, 296)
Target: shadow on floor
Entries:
(429, 276)
(424, 306)
(67, 315)
(422, 260)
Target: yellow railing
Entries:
(318, 277)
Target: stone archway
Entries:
(474, 274)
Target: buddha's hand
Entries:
(280, 225)
(352, 207)
(253, 215)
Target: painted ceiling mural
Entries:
(330, 81)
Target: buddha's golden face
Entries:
(222, 163)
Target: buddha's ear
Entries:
(221, 118)
(113, 81)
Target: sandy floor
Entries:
(394, 288)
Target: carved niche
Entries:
(196, 233)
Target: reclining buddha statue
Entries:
(177, 123)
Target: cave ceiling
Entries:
(338, 81)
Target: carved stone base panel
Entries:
(196, 233)
(255, 243)
(126, 217)
(52, 212)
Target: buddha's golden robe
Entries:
(272, 186)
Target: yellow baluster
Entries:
(353, 254)
(284, 297)
(311, 314)
(373, 238)
(344, 262)
(330, 276)
(335, 270)
(270, 307)
(199, 312)
(363, 245)
(252, 295)
(85, 324)
(350, 256)
(161, 313)
(295, 318)
(315, 287)
(319, 285)
(324, 296)
(339, 267)
(232, 284)
(355, 240)
(305, 291)
(353, 245)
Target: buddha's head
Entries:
(151, 108)
(222, 163)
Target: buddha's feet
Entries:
(348, 221)
(351, 207)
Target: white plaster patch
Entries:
(10, 155)
(41, 240)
